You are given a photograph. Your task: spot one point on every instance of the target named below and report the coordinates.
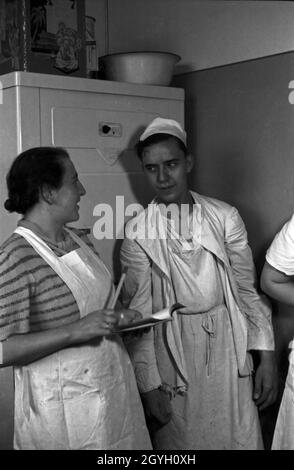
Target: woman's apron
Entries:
(284, 430)
(83, 397)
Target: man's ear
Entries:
(47, 194)
(190, 162)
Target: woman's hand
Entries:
(99, 323)
(27, 348)
(127, 316)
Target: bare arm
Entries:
(277, 285)
(22, 349)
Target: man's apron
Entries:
(284, 430)
(83, 397)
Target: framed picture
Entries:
(45, 36)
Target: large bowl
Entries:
(149, 68)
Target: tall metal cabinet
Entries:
(98, 122)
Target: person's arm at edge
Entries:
(277, 285)
(22, 349)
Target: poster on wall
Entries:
(46, 36)
(54, 31)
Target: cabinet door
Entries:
(100, 131)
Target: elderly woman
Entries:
(74, 383)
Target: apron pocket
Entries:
(87, 421)
(68, 425)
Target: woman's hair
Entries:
(156, 139)
(29, 172)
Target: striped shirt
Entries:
(32, 296)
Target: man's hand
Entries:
(157, 407)
(266, 380)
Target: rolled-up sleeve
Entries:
(15, 290)
(254, 305)
(137, 295)
(280, 254)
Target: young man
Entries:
(195, 372)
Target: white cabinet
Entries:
(98, 122)
(77, 113)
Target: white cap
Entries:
(165, 126)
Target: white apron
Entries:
(284, 430)
(84, 397)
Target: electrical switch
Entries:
(109, 129)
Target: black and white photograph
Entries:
(146, 209)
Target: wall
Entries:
(204, 33)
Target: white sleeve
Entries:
(254, 306)
(280, 254)
(137, 295)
